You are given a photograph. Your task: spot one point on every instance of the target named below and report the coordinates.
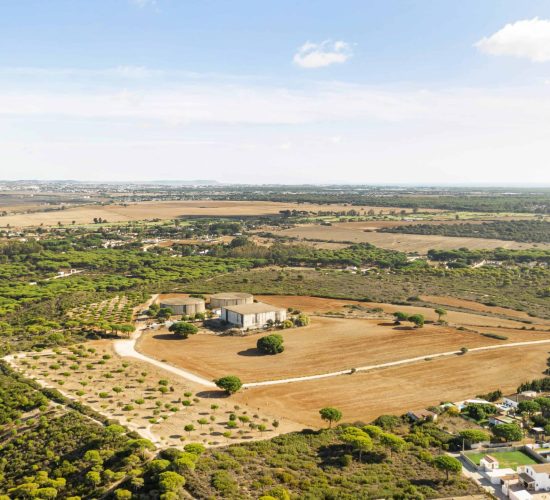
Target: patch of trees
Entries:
(530, 231)
(463, 257)
(345, 462)
(361, 254)
(416, 319)
(538, 385)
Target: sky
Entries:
(286, 91)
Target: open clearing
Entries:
(365, 232)
(328, 344)
(339, 339)
(365, 396)
(166, 210)
(319, 305)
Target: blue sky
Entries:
(288, 91)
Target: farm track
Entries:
(127, 348)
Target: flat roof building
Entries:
(253, 315)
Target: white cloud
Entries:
(318, 55)
(528, 39)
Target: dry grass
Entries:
(365, 232)
(364, 396)
(456, 318)
(157, 416)
(164, 210)
(330, 343)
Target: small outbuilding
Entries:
(253, 315)
(224, 299)
(185, 306)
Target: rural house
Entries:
(255, 315)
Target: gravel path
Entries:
(128, 348)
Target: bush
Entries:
(271, 344)
(183, 329)
(230, 384)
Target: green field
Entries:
(507, 459)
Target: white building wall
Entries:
(253, 320)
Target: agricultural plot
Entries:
(119, 309)
(159, 406)
(396, 390)
(169, 210)
(366, 232)
(328, 344)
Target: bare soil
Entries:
(164, 210)
(364, 396)
(329, 343)
(365, 232)
(140, 381)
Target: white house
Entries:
(535, 477)
(496, 476)
(255, 315)
(488, 462)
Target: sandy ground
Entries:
(365, 232)
(329, 343)
(166, 210)
(320, 305)
(169, 427)
(364, 396)
(476, 306)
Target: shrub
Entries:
(271, 344)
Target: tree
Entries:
(271, 344)
(126, 328)
(417, 319)
(508, 432)
(387, 422)
(330, 415)
(400, 316)
(393, 442)
(440, 313)
(164, 313)
(528, 407)
(358, 439)
(230, 383)
(301, 320)
(474, 435)
(122, 494)
(183, 329)
(447, 464)
(170, 481)
(189, 428)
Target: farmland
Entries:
(145, 399)
(365, 232)
(310, 350)
(164, 210)
(92, 343)
(364, 396)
